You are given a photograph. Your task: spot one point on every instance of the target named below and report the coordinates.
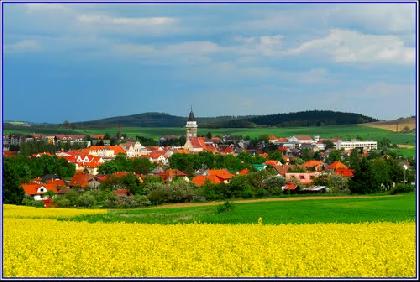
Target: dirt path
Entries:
(187, 205)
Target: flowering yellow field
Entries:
(47, 247)
(12, 211)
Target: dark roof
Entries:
(47, 177)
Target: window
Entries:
(301, 176)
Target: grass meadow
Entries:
(342, 131)
(295, 210)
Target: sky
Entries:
(80, 62)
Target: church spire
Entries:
(191, 116)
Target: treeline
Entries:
(304, 118)
(122, 163)
(20, 169)
(189, 163)
(311, 118)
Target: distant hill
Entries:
(398, 125)
(306, 118)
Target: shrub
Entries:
(273, 185)
(86, 199)
(225, 207)
(29, 201)
(401, 188)
(62, 202)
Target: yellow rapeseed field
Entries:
(12, 211)
(51, 248)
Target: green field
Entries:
(342, 131)
(339, 210)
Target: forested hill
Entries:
(306, 118)
(311, 118)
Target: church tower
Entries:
(191, 126)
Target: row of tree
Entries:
(20, 169)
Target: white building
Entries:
(350, 145)
(134, 149)
(191, 126)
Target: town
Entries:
(301, 163)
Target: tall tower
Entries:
(191, 125)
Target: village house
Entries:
(353, 144)
(134, 149)
(106, 152)
(305, 178)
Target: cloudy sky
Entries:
(87, 61)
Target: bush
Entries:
(29, 201)
(401, 188)
(62, 202)
(225, 207)
(273, 185)
(86, 199)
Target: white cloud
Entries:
(266, 45)
(27, 45)
(347, 46)
(50, 7)
(124, 21)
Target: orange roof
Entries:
(272, 137)
(171, 173)
(264, 155)
(346, 172)
(7, 154)
(290, 186)
(121, 192)
(117, 149)
(337, 164)
(41, 154)
(199, 180)
(223, 174)
(120, 174)
(30, 188)
(312, 163)
(198, 142)
(156, 154)
(271, 162)
(80, 179)
(303, 137)
(244, 171)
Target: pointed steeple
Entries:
(191, 116)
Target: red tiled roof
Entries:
(102, 178)
(337, 164)
(223, 174)
(271, 162)
(303, 137)
(244, 171)
(290, 186)
(346, 172)
(172, 173)
(156, 154)
(198, 142)
(80, 180)
(7, 154)
(117, 149)
(264, 155)
(312, 163)
(121, 192)
(30, 188)
(42, 154)
(199, 180)
(282, 149)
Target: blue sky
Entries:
(79, 61)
